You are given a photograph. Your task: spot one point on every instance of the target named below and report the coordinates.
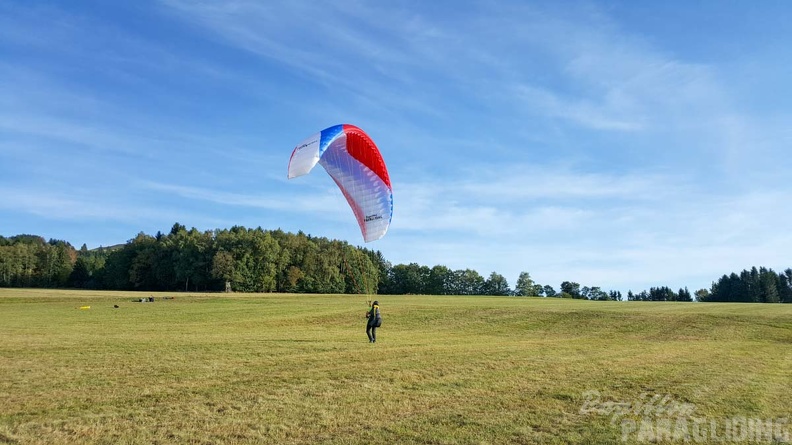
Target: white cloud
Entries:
(656, 230)
(519, 137)
(84, 205)
(321, 202)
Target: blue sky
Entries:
(615, 144)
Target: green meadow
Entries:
(298, 369)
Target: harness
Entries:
(375, 319)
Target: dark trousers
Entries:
(371, 331)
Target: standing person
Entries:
(374, 321)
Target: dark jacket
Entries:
(374, 317)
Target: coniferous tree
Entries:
(785, 286)
(684, 295)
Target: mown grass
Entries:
(298, 369)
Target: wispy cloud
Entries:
(519, 136)
(81, 206)
(578, 68)
(318, 202)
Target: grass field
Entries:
(298, 369)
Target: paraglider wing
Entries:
(354, 162)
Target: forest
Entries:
(257, 260)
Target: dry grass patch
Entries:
(298, 369)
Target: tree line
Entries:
(257, 260)
(238, 259)
(662, 293)
(755, 286)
